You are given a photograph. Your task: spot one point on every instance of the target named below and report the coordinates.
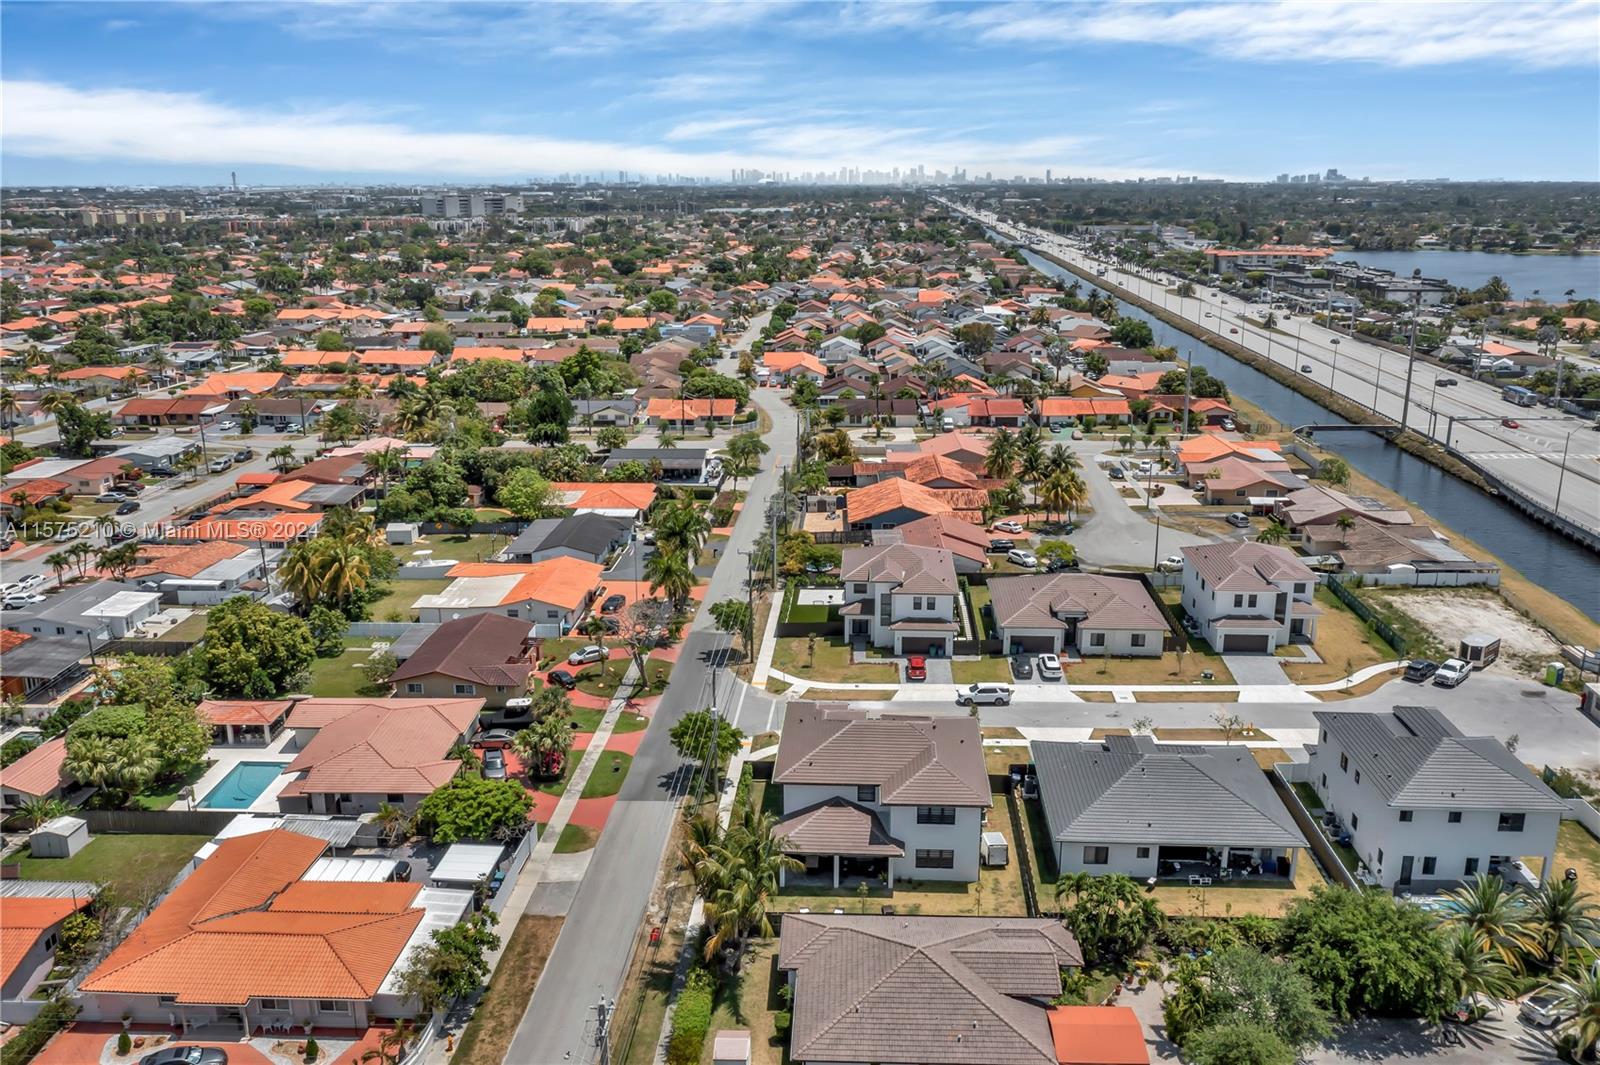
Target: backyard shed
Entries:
(59, 837)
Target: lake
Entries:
(1550, 275)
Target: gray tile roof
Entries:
(1417, 758)
(1037, 601)
(934, 990)
(913, 760)
(1126, 789)
(915, 570)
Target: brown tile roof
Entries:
(183, 560)
(484, 649)
(380, 746)
(913, 760)
(243, 711)
(837, 826)
(945, 990)
(1038, 601)
(950, 533)
(1246, 566)
(914, 570)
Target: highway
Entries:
(1546, 453)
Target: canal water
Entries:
(1543, 556)
(1548, 275)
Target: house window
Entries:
(1324, 782)
(511, 613)
(858, 589)
(1405, 815)
(1355, 822)
(916, 602)
(1511, 822)
(1344, 762)
(936, 859)
(413, 688)
(1470, 868)
(1137, 639)
(1300, 589)
(1428, 866)
(1455, 817)
(166, 1000)
(1251, 601)
(1097, 639)
(1380, 857)
(936, 815)
(332, 1005)
(866, 793)
(394, 800)
(1141, 852)
(274, 1005)
(1238, 601)
(1096, 855)
(1358, 776)
(466, 689)
(551, 615)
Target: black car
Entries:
(1021, 667)
(129, 507)
(1115, 473)
(190, 1055)
(1060, 565)
(244, 454)
(1420, 669)
(562, 678)
(1001, 545)
(613, 604)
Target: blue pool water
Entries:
(242, 786)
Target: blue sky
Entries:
(434, 92)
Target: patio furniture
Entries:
(1205, 881)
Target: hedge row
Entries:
(691, 1018)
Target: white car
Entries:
(1013, 527)
(19, 600)
(592, 653)
(65, 533)
(1239, 520)
(1022, 558)
(32, 580)
(1543, 1009)
(225, 427)
(1049, 667)
(1171, 564)
(987, 693)
(1452, 673)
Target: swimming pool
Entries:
(242, 786)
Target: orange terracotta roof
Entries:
(24, 920)
(892, 494)
(630, 324)
(219, 383)
(393, 746)
(283, 495)
(183, 560)
(39, 771)
(483, 354)
(683, 409)
(243, 711)
(605, 495)
(560, 581)
(279, 527)
(1097, 1035)
(557, 325)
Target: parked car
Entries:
(916, 667)
(1228, 425)
(1239, 520)
(1021, 667)
(224, 427)
(1543, 1009)
(496, 739)
(1510, 423)
(1013, 527)
(190, 1055)
(592, 653)
(494, 764)
(1116, 473)
(119, 534)
(818, 567)
(1305, 367)
(110, 497)
(65, 533)
(21, 600)
(609, 624)
(1022, 558)
(1233, 329)
(1049, 667)
(613, 604)
(1420, 669)
(986, 693)
(244, 454)
(561, 678)
(128, 506)
(1001, 544)
(217, 465)
(1057, 564)
(1171, 564)
(32, 580)
(1452, 672)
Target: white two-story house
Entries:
(1249, 596)
(880, 798)
(1425, 806)
(901, 597)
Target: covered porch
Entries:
(839, 842)
(1226, 863)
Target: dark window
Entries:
(1096, 855)
(936, 815)
(866, 793)
(1324, 782)
(859, 589)
(1344, 762)
(1428, 865)
(1470, 868)
(1512, 822)
(1358, 776)
(1238, 601)
(1405, 815)
(394, 800)
(1137, 640)
(1380, 857)
(1355, 822)
(936, 859)
(1455, 817)
(1142, 852)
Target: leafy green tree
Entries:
(78, 428)
(251, 651)
(525, 494)
(735, 616)
(454, 965)
(327, 631)
(38, 811)
(470, 807)
(704, 737)
(330, 340)
(437, 339)
(1247, 985)
(80, 937)
(1132, 333)
(1335, 471)
(1112, 918)
(1238, 1042)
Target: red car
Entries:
(1510, 423)
(916, 668)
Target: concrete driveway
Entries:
(1256, 669)
(1118, 535)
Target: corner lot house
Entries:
(36, 775)
(891, 796)
(1085, 613)
(1126, 805)
(1426, 806)
(900, 597)
(952, 990)
(1249, 596)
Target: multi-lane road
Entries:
(1545, 453)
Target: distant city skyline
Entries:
(463, 94)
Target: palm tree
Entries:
(544, 745)
(698, 848)
(1563, 920)
(1345, 523)
(385, 463)
(392, 1044)
(299, 572)
(1031, 463)
(9, 409)
(80, 554)
(54, 402)
(1479, 972)
(345, 572)
(283, 454)
(1001, 461)
(1071, 885)
(393, 823)
(60, 561)
(750, 861)
(1054, 494)
(36, 812)
(669, 571)
(1498, 914)
(1276, 532)
(1581, 995)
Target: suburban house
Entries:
(485, 655)
(102, 610)
(355, 755)
(967, 543)
(954, 990)
(900, 597)
(36, 666)
(617, 499)
(590, 537)
(681, 415)
(245, 722)
(36, 775)
(1249, 596)
(200, 572)
(1400, 554)
(1315, 511)
(1083, 613)
(549, 595)
(1127, 805)
(1425, 806)
(896, 501)
(245, 941)
(30, 929)
(880, 796)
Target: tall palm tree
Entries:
(1071, 885)
(1497, 913)
(1479, 972)
(1053, 493)
(544, 745)
(36, 812)
(60, 561)
(698, 849)
(283, 454)
(1563, 920)
(669, 571)
(1345, 523)
(1032, 465)
(345, 571)
(1001, 461)
(1581, 995)
(751, 861)
(9, 409)
(1276, 532)
(300, 572)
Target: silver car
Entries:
(494, 764)
(592, 653)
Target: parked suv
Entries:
(1420, 669)
(1022, 558)
(985, 693)
(1049, 667)
(1021, 667)
(1452, 673)
(1239, 520)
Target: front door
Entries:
(1405, 869)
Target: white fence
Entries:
(1580, 811)
(1411, 577)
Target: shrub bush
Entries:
(124, 1042)
(26, 1044)
(691, 1018)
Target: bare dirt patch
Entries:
(1450, 615)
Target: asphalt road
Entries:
(1117, 534)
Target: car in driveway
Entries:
(495, 739)
(218, 465)
(916, 667)
(110, 497)
(985, 693)
(1012, 527)
(494, 764)
(613, 604)
(592, 653)
(1058, 564)
(1022, 667)
(1001, 544)
(1239, 520)
(1049, 667)
(1451, 672)
(562, 679)
(1420, 669)
(1116, 474)
(1543, 1009)
(244, 454)
(190, 1055)
(1022, 558)
(21, 600)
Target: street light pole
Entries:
(1562, 479)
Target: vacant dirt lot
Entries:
(1452, 614)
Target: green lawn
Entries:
(602, 678)
(586, 720)
(832, 662)
(396, 606)
(982, 669)
(167, 791)
(1308, 795)
(608, 775)
(978, 596)
(456, 548)
(557, 786)
(575, 838)
(335, 677)
(189, 630)
(130, 865)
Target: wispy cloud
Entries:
(116, 25)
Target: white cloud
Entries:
(1396, 33)
(50, 120)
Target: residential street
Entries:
(1117, 534)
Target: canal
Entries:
(1550, 276)
(1545, 557)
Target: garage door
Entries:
(1033, 644)
(1246, 642)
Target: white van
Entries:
(984, 693)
